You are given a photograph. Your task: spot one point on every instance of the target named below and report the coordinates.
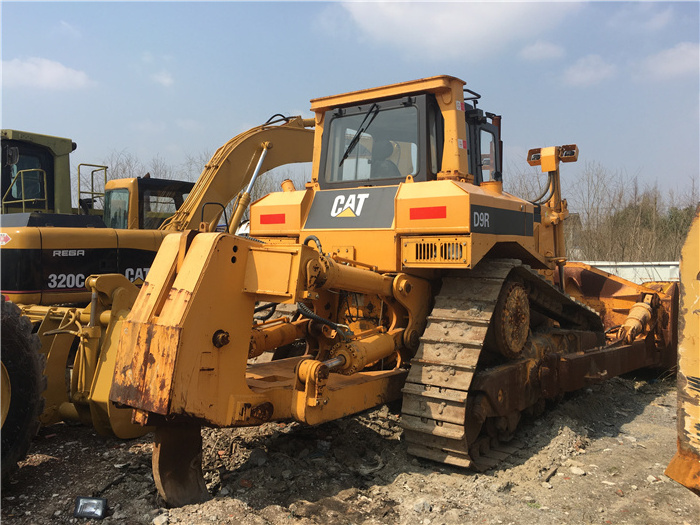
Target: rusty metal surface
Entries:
(512, 320)
(144, 379)
(613, 297)
(460, 394)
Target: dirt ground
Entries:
(597, 457)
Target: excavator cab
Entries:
(143, 203)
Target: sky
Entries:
(172, 80)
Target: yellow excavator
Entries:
(58, 322)
(410, 274)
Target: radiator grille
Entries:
(435, 251)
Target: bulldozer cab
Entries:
(381, 142)
(143, 202)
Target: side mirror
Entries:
(10, 156)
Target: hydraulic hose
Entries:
(541, 199)
(316, 240)
(268, 306)
(342, 329)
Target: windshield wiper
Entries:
(373, 110)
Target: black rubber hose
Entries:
(306, 312)
(269, 306)
(316, 240)
(264, 307)
(539, 200)
(272, 120)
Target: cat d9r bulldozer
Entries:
(411, 274)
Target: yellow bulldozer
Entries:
(409, 274)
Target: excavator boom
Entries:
(232, 166)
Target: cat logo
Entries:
(348, 205)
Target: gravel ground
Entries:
(597, 457)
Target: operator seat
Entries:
(382, 167)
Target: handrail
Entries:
(91, 193)
(20, 176)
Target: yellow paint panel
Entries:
(432, 207)
(347, 212)
(268, 273)
(442, 83)
(372, 247)
(279, 212)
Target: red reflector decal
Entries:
(272, 218)
(430, 212)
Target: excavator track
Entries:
(443, 417)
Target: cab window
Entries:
(374, 144)
(158, 205)
(116, 213)
(35, 182)
(488, 155)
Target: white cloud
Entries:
(464, 30)
(541, 50)
(641, 17)
(42, 73)
(588, 71)
(683, 59)
(163, 77)
(68, 30)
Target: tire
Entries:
(23, 365)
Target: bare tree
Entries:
(527, 183)
(193, 165)
(619, 221)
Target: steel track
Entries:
(443, 421)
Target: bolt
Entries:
(220, 338)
